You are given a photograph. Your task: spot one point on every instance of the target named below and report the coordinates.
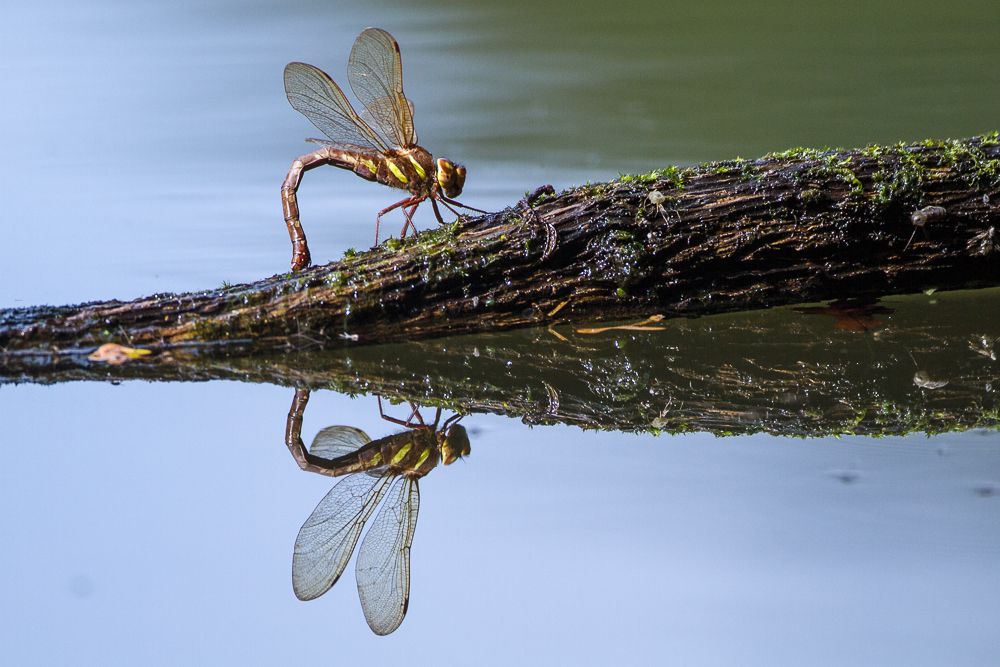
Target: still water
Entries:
(153, 523)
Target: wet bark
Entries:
(795, 227)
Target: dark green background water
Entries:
(143, 147)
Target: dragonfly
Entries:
(379, 144)
(387, 468)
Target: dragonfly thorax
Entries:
(412, 453)
(411, 169)
(414, 169)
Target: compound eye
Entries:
(450, 177)
(459, 179)
(456, 444)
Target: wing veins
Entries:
(316, 96)
(383, 567)
(375, 72)
(327, 539)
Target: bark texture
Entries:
(793, 227)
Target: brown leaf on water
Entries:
(638, 326)
(116, 355)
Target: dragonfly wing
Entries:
(316, 96)
(334, 441)
(375, 70)
(326, 540)
(383, 568)
(381, 113)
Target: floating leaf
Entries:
(116, 355)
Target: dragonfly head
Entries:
(454, 444)
(451, 177)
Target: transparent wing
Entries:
(375, 70)
(382, 112)
(327, 538)
(334, 441)
(383, 568)
(316, 96)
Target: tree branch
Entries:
(792, 227)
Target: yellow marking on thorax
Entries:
(423, 457)
(416, 165)
(401, 454)
(377, 459)
(370, 164)
(397, 172)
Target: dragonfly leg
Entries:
(448, 200)
(448, 204)
(414, 413)
(394, 420)
(450, 208)
(451, 421)
(437, 211)
(290, 202)
(404, 202)
(408, 213)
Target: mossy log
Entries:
(799, 226)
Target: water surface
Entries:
(144, 145)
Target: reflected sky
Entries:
(145, 144)
(154, 523)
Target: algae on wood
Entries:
(792, 227)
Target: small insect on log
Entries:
(379, 144)
(656, 198)
(920, 219)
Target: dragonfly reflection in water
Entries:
(372, 469)
(380, 144)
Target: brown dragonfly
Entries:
(372, 469)
(379, 144)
